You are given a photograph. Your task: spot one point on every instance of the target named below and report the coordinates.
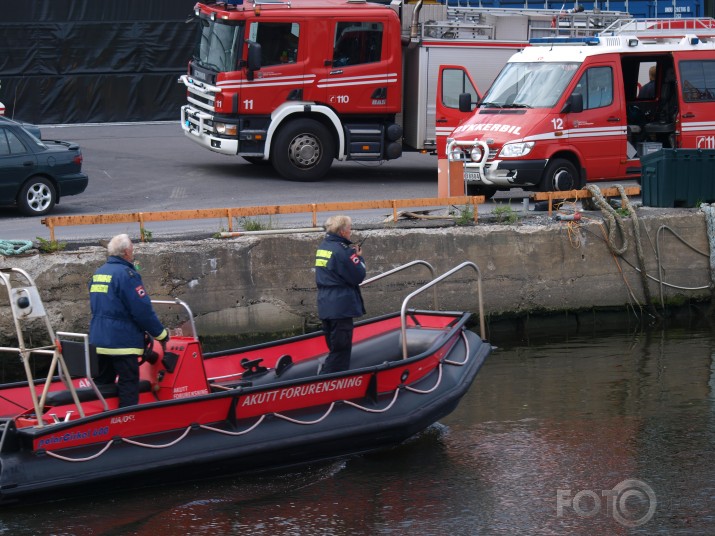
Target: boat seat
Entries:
(85, 394)
(73, 355)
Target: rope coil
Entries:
(14, 247)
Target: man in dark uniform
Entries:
(339, 270)
(121, 314)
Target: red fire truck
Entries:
(566, 111)
(301, 84)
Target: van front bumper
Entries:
(505, 173)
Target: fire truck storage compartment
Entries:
(678, 177)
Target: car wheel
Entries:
(37, 197)
(303, 151)
(560, 175)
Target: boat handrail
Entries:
(26, 304)
(403, 310)
(399, 269)
(190, 314)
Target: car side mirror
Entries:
(465, 102)
(254, 58)
(574, 104)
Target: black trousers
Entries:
(126, 367)
(339, 337)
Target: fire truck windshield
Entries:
(219, 45)
(529, 85)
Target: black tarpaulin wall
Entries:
(90, 61)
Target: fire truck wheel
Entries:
(303, 151)
(257, 160)
(560, 175)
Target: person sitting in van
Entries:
(647, 92)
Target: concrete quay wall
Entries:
(266, 283)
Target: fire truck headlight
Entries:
(225, 129)
(476, 154)
(514, 150)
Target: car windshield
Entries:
(529, 85)
(218, 45)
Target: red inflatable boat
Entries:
(251, 408)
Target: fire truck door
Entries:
(361, 78)
(282, 73)
(599, 132)
(696, 88)
(453, 80)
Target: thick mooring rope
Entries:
(14, 247)
(709, 211)
(615, 221)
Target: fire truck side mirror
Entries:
(465, 102)
(254, 58)
(574, 104)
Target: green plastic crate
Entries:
(678, 177)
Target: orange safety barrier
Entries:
(581, 194)
(238, 212)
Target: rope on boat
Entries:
(228, 432)
(280, 416)
(88, 458)
(150, 446)
(14, 247)
(316, 421)
(370, 410)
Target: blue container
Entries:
(678, 177)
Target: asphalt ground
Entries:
(153, 167)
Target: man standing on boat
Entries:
(339, 270)
(121, 314)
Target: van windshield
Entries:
(529, 85)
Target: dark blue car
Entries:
(35, 174)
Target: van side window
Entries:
(698, 80)
(596, 86)
(357, 43)
(454, 83)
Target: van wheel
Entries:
(303, 151)
(560, 175)
(488, 193)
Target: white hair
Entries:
(119, 245)
(335, 224)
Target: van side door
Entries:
(599, 132)
(453, 81)
(696, 89)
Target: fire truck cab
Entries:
(566, 111)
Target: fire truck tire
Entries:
(257, 160)
(560, 175)
(303, 151)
